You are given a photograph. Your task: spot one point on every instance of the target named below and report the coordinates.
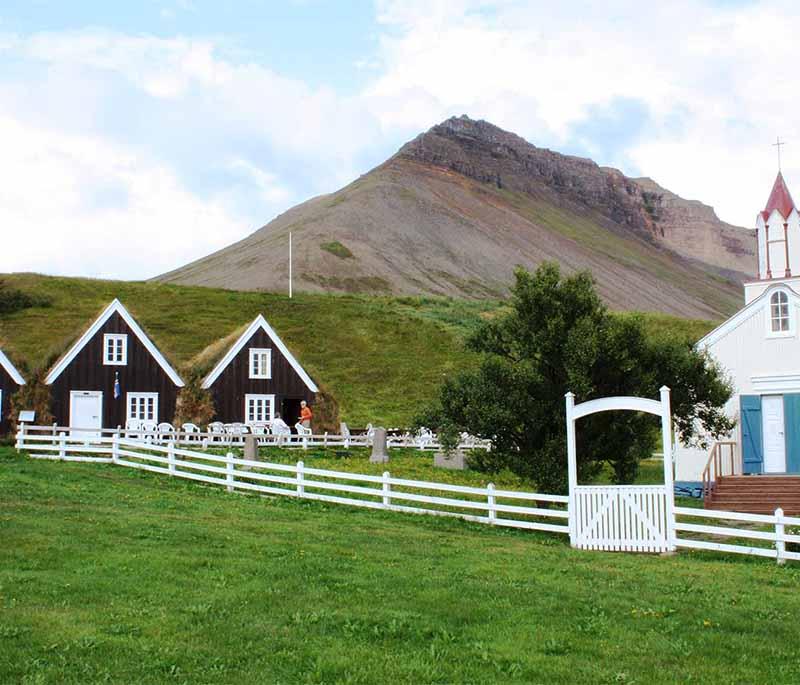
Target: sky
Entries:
(135, 137)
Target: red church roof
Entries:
(779, 199)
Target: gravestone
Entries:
(455, 460)
(250, 448)
(380, 454)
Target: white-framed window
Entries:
(115, 349)
(260, 362)
(142, 406)
(780, 322)
(259, 408)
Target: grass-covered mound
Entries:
(112, 575)
(380, 357)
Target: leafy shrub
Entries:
(14, 300)
(326, 413)
(35, 394)
(194, 404)
(337, 249)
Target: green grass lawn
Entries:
(112, 575)
(382, 358)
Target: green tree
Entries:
(558, 336)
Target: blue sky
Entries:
(182, 125)
(320, 42)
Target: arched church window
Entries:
(779, 312)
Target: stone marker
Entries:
(250, 448)
(454, 460)
(380, 454)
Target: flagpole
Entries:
(290, 265)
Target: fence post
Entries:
(62, 445)
(115, 448)
(325, 442)
(387, 489)
(490, 497)
(229, 469)
(171, 457)
(301, 490)
(305, 441)
(20, 444)
(780, 543)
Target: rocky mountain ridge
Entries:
(457, 208)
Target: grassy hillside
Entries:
(381, 357)
(173, 582)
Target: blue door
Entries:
(752, 445)
(791, 412)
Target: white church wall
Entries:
(756, 364)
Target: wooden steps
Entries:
(756, 494)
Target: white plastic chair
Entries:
(166, 431)
(190, 429)
(132, 428)
(280, 429)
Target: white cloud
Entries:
(54, 208)
(146, 152)
(716, 80)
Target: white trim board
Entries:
(259, 322)
(16, 376)
(745, 313)
(114, 307)
(774, 383)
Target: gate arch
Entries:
(634, 518)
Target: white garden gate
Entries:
(625, 518)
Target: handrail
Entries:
(716, 466)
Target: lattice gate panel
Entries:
(621, 518)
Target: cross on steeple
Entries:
(778, 144)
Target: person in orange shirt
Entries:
(305, 415)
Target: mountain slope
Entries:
(457, 208)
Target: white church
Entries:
(759, 349)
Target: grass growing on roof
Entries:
(114, 575)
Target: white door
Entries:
(774, 439)
(85, 414)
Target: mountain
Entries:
(455, 209)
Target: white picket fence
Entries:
(485, 505)
(633, 519)
(423, 441)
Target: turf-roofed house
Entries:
(259, 379)
(112, 374)
(10, 382)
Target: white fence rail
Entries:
(721, 531)
(775, 524)
(485, 505)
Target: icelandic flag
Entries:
(117, 391)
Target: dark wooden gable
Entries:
(86, 371)
(231, 386)
(8, 386)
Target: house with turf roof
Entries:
(10, 382)
(259, 378)
(758, 467)
(112, 374)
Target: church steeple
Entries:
(780, 198)
(778, 226)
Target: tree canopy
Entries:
(558, 336)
